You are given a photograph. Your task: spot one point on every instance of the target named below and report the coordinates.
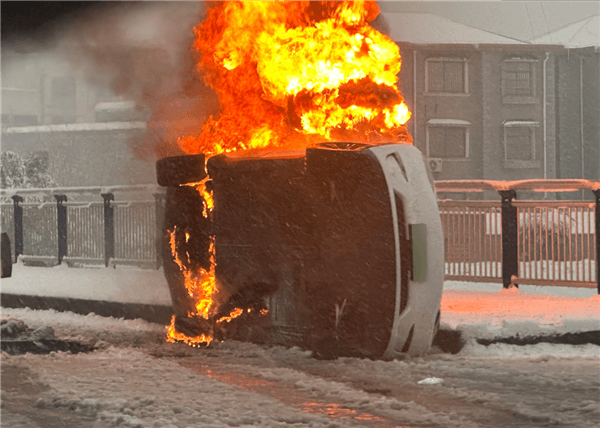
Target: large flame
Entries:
(295, 73)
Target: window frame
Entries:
(465, 63)
(517, 163)
(519, 99)
(448, 123)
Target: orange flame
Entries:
(206, 195)
(294, 73)
(234, 314)
(201, 284)
(174, 336)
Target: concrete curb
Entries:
(153, 313)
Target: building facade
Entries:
(83, 131)
(483, 107)
(502, 110)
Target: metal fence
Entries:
(82, 233)
(537, 242)
(555, 242)
(472, 240)
(39, 229)
(85, 233)
(135, 231)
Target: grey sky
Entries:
(517, 19)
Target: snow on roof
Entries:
(520, 123)
(580, 34)
(76, 127)
(20, 90)
(448, 122)
(537, 185)
(151, 188)
(426, 28)
(115, 105)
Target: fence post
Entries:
(510, 249)
(159, 215)
(61, 223)
(109, 228)
(18, 220)
(597, 218)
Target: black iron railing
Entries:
(538, 242)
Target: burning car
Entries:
(336, 248)
(301, 214)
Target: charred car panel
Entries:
(316, 239)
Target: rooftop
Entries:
(426, 28)
(580, 34)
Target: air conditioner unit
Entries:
(435, 164)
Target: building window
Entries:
(518, 80)
(519, 144)
(446, 76)
(447, 139)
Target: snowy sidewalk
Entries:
(128, 293)
(120, 284)
(478, 310)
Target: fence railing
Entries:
(537, 242)
(472, 240)
(509, 241)
(89, 232)
(557, 243)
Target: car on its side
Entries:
(337, 248)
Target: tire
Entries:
(177, 170)
(6, 256)
(340, 146)
(335, 160)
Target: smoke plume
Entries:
(141, 51)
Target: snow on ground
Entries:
(135, 379)
(120, 284)
(488, 311)
(478, 310)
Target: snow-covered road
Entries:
(134, 378)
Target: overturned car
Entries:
(337, 248)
